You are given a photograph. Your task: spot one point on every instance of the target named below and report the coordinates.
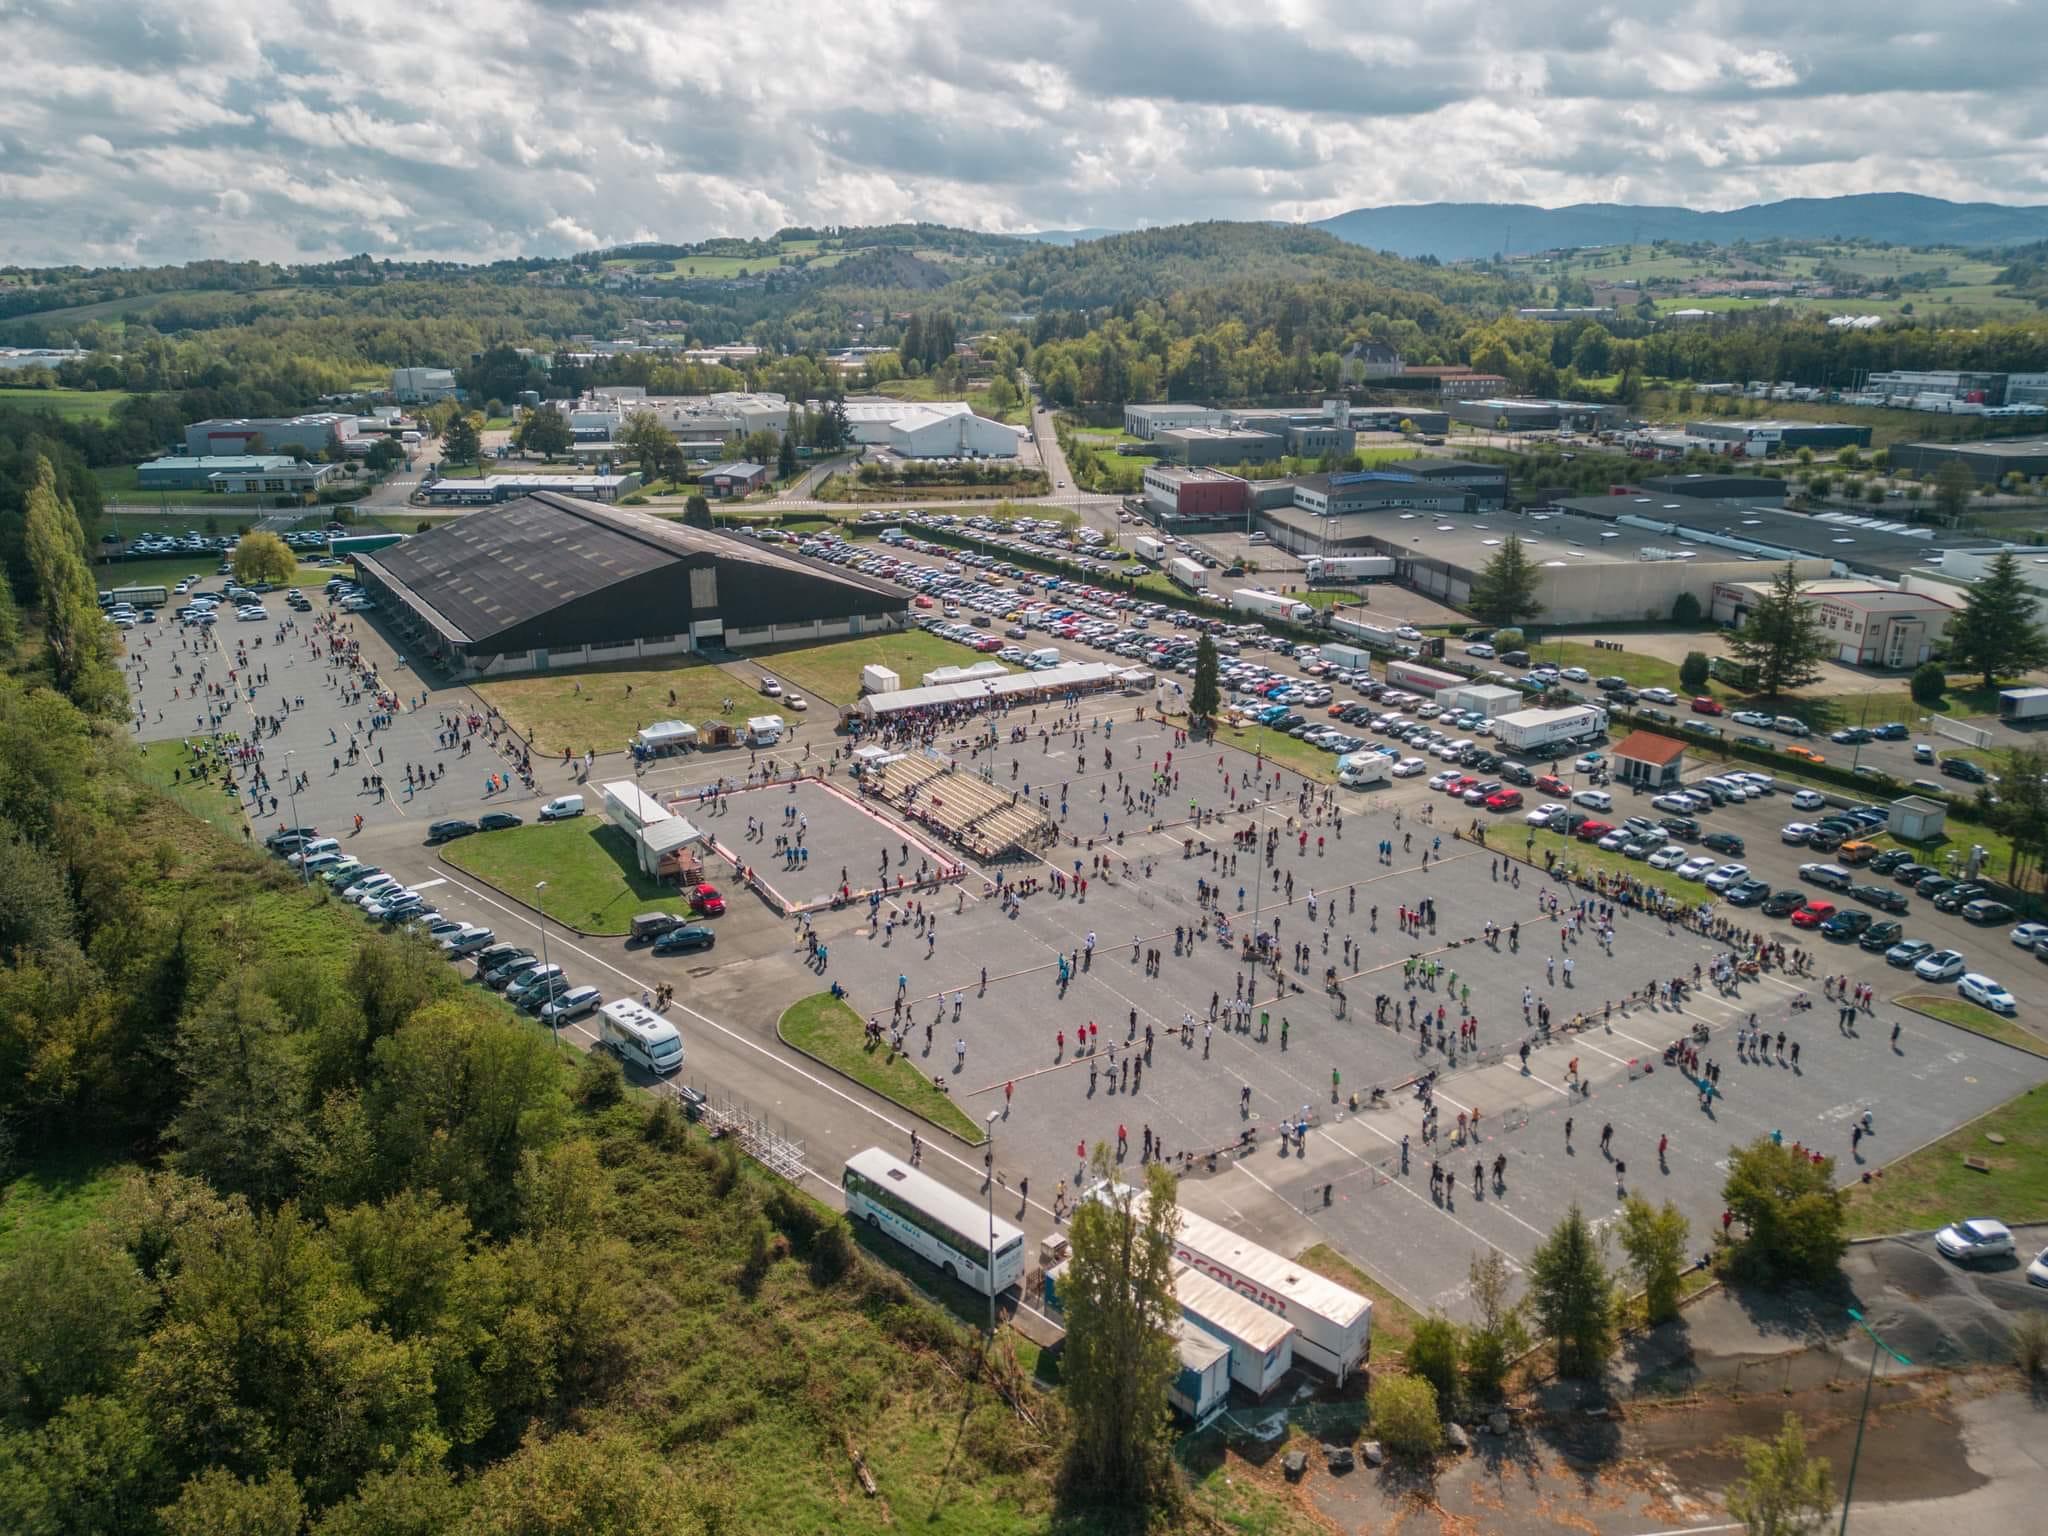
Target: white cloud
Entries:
(427, 126)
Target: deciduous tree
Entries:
(1792, 1214)
(1405, 1415)
(1783, 1490)
(545, 432)
(462, 441)
(1654, 1238)
(1207, 697)
(1953, 485)
(264, 557)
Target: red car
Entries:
(1458, 786)
(706, 900)
(1813, 914)
(1706, 706)
(1551, 784)
(1592, 831)
(1504, 800)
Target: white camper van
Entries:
(638, 1034)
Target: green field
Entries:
(595, 710)
(829, 1029)
(721, 267)
(167, 573)
(70, 404)
(1278, 747)
(831, 672)
(163, 766)
(1932, 1187)
(927, 389)
(594, 883)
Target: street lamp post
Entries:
(993, 1116)
(291, 789)
(540, 921)
(1877, 1346)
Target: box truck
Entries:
(1546, 730)
(1148, 549)
(1271, 605)
(1420, 679)
(1349, 567)
(1187, 573)
(2023, 704)
(1347, 658)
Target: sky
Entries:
(147, 131)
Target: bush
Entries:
(1930, 682)
(2030, 1345)
(832, 1252)
(1508, 640)
(1692, 672)
(599, 1082)
(1685, 609)
(1404, 1414)
(1433, 1355)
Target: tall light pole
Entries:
(993, 1116)
(1877, 1346)
(291, 788)
(540, 921)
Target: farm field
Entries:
(70, 404)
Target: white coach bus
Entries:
(948, 1229)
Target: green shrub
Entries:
(599, 1082)
(1930, 682)
(1685, 609)
(1404, 1414)
(1692, 672)
(1433, 1355)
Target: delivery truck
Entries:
(1536, 731)
(1349, 567)
(1271, 605)
(1187, 573)
(1148, 549)
(1346, 658)
(2023, 704)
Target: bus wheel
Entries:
(950, 1272)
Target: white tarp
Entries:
(1073, 674)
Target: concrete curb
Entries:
(1935, 1018)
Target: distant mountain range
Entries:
(1462, 231)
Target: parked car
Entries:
(1813, 914)
(1846, 924)
(1723, 842)
(498, 821)
(1880, 936)
(448, 831)
(1976, 987)
(1782, 903)
(1884, 897)
(1975, 1241)
(1747, 893)
(1908, 953)
(572, 1004)
(1940, 966)
(678, 941)
(467, 940)
(1985, 913)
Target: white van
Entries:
(318, 846)
(638, 1034)
(1365, 771)
(1041, 659)
(562, 807)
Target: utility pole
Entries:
(993, 1116)
(1877, 1346)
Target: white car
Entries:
(1940, 965)
(1544, 815)
(1577, 675)
(2027, 935)
(1409, 767)
(1409, 632)
(771, 688)
(795, 701)
(1616, 840)
(1660, 695)
(1807, 800)
(1695, 868)
(1797, 831)
(2037, 1272)
(1727, 875)
(1445, 779)
(1680, 805)
(1978, 1238)
(1670, 856)
(1594, 799)
(1975, 987)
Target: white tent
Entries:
(667, 736)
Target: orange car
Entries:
(1807, 753)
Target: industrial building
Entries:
(1760, 438)
(1938, 383)
(237, 474)
(1220, 445)
(1486, 484)
(551, 581)
(412, 386)
(1148, 421)
(1990, 460)
(1390, 418)
(722, 480)
(929, 429)
(1865, 625)
(1738, 490)
(306, 436)
(1175, 492)
(1307, 434)
(492, 490)
(1519, 415)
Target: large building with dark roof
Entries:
(548, 582)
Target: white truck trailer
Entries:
(1349, 567)
(1183, 572)
(1148, 549)
(1545, 730)
(1271, 605)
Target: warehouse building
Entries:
(1737, 490)
(1148, 421)
(239, 473)
(491, 490)
(1347, 514)
(1865, 625)
(1938, 384)
(306, 436)
(1220, 445)
(722, 480)
(1391, 418)
(551, 581)
(1990, 461)
(1176, 494)
(1761, 438)
(1518, 415)
(939, 432)
(1486, 484)
(420, 385)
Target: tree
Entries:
(1930, 682)
(1572, 1296)
(1693, 672)
(80, 641)
(1792, 1214)
(1783, 1491)
(1654, 1238)
(1405, 1415)
(785, 458)
(1207, 697)
(1953, 484)
(264, 557)
(644, 439)
(1497, 1333)
(1996, 633)
(1508, 639)
(1119, 1356)
(217, 1503)
(385, 454)
(697, 511)
(1781, 637)
(545, 432)
(462, 442)
(242, 1126)
(1433, 1355)
(1506, 590)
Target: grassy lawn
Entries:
(1513, 836)
(1279, 747)
(1932, 1187)
(162, 759)
(594, 879)
(59, 1191)
(831, 671)
(593, 709)
(1393, 1320)
(1979, 1021)
(830, 1029)
(69, 404)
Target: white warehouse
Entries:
(937, 429)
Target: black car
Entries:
(1852, 736)
(1890, 731)
(1747, 893)
(1962, 768)
(448, 831)
(1623, 695)
(1782, 904)
(1956, 897)
(1515, 773)
(1846, 924)
(1911, 873)
(1881, 936)
(679, 941)
(288, 839)
(1610, 684)
(1888, 861)
(1683, 827)
(498, 821)
(1826, 839)
(1884, 897)
(1723, 842)
(1933, 885)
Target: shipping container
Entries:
(1413, 675)
(1271, 605)
(1187, 573)
(1148, 549)
(1349, 567)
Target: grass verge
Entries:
(829, 1029)
(164, 765)
(1978, 1021)
(66, 404)
(832, 671)
(594, 883)
(1393, 1320)
(1933, 1186)
(1310, 762)
(600, 708)
(1513, 837)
